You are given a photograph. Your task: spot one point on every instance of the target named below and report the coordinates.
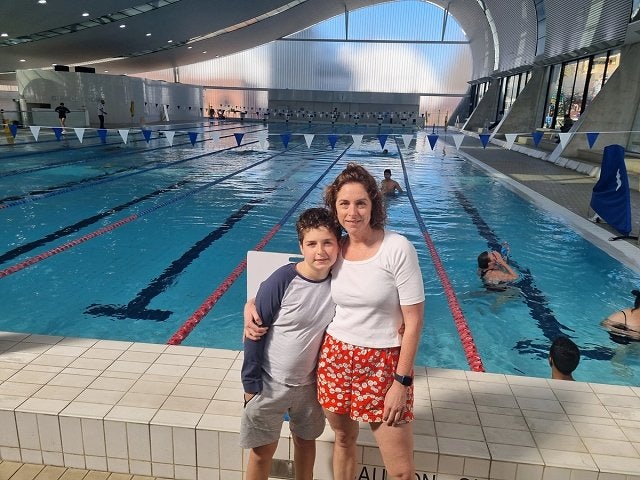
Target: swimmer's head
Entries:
(636, 304)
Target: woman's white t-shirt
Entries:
(368, 294)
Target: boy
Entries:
(278, 373)
(564, 357)
(389, 186)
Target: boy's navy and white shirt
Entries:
(297, 311)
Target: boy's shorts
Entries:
(263, 415)
(354, 380)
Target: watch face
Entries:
(403, 379)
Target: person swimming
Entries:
(494, 271)
(623, 326)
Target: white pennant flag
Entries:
(79, 133)
(262, 135)
(308, 138)
(215, 136)
(35, 131)
(169, 134)
(357, 141)
(565, 137)
(264, 145)
(124, 134)
(457, 139)
(511, 137)
(407, 140)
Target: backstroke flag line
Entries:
(611, 198)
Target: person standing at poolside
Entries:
(62, 111)
(365, 371)
(101, 112)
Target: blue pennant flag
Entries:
(57, 132)
(238, 137)
(611, 198)
(102, 133)
(146, 133)
(591, 138)
(332, 140)
(13, 128)
(192, 137)
(537, 136)
(432, 140)
(285, 139)
(484, 138)
(383, 140)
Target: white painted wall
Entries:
(80, 91)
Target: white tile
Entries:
(475, 467)
(542, 425)
(458, 430)
(525, 391)
(118, 465)
(183, 472)
(610, 447)
(49, 432)
(58, 392)
(53, 458)
(28, 436)
(463, 448)
(230, 452)
(184, 446)
(214, 474)
(455, 416)
(584, 475)
(114, 384)
(130, 414)
(95, 463)
(529, 472)
(72, 460)
(137, 467)
(93, 437)
(9, 430)
(491, 400)
(107, 397)
(503, 421)
(207, 446)
(539, 404)
(553, 441)
(609, 432)
(230, 475)
(139, 356)
(503, 470)
(616, 464)
(585, 409)
(10, 454)
(453, 465)
(31, 456)
(42, 405)
(162, 470)
(508, 436)
(161, 444)
(153, 387)
(115, 439)
(174, 418)
(138, 441)
(515, 453)
(565, 459)
(68, 380)
(71, 432)
(88, 410)
(556, 473)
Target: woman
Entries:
(365, 370)
(494, 271)
(624, 325)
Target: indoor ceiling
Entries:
(126, 37)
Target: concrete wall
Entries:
(81, 91)
(485, 113)
(526, 112)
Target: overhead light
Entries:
(122, 26)
(3, 34)
(42, 2)
(85, 14)
(169, 41)
(204, 51)
(106, 71)
(22, 60)
(148, 34)
(189, 47)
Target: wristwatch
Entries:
(405, 380)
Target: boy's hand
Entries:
(252, 323)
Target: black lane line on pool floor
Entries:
(137, 308)
(532, 297)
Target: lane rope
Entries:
(464, 332)
(54, 251)
(187, 327)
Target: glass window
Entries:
(550, 109)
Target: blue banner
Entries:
(13, 128)
(57, 131)
(383, 140)
(146, 134)
(332, 140)
(484, 138)
(611, 198)
(102, 133)
(591, 138)
(285, 139)
(432, 140)
(192, 137)
(238, 137)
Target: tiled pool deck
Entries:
(74, 409)
(174, 412)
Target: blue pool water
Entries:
(189, 213)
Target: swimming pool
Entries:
(128, 241)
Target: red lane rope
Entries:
(195, 318)
(66, 246)
(464, 332)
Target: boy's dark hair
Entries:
(317, 218)
(636, 294)
(483, 260)
(565, 355)
(355, 173)
(387, 170)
